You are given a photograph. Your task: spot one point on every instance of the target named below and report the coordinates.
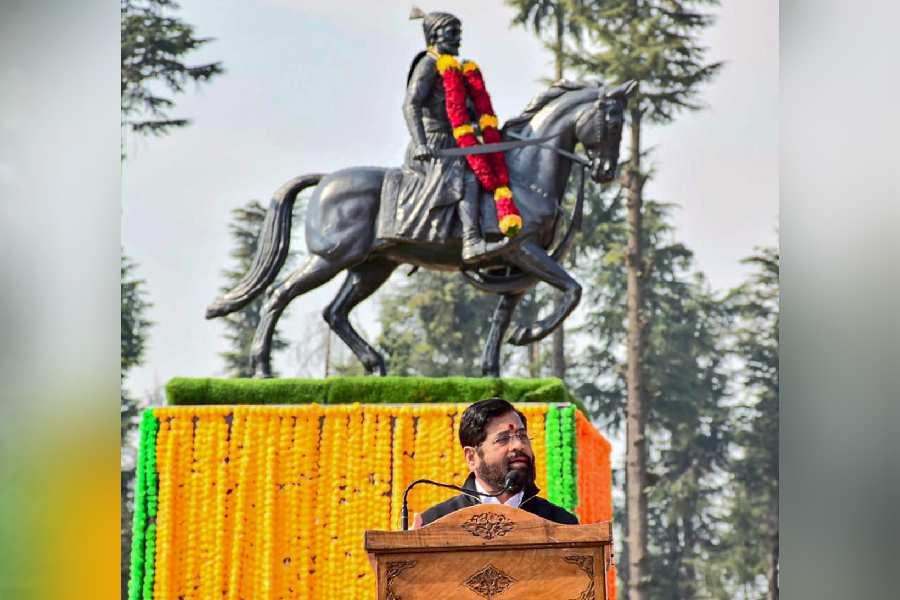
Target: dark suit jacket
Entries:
(530, 502)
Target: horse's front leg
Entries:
(490, 360)
(534, 260)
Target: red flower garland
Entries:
(490, 169)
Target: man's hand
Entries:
(424, 152)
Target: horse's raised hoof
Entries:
(522, 336)
(216, 309)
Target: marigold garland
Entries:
(594, 473)
(460, 82)
(206, 424)
(561, 452)
(569, 466)
(222, 478)
(554, 472)
(535, 416)
(275, 499)
(165, 448)
(143, 548)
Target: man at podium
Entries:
(494, 439)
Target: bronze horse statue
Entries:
(343, 212)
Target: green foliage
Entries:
(135, 324)
(654, 42)
(154, 48)
(241, 325)
(753, 506)
(346, 390)
(435, 324)
(688, 416)
(556, 15)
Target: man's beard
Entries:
(494, 474)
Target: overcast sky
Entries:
(316, 86)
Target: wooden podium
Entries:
(492, 552)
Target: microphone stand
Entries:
(510, 484)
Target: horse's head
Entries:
(599, 129)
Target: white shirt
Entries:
(513, 502)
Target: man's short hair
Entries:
(475, 418)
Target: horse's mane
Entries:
(556, 90)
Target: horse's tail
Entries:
(272, 249)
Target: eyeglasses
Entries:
(505, 438)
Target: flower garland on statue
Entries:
(490, 169)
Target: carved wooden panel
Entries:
(488, 525)
(393, 570)
(489, 582)
(585, 562)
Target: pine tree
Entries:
(246, 223)
(655, 43)
(134, 325)
(134, 334)
(753, 514)
(558, 15)
(688, 429)
(689, 440)
(154, 47)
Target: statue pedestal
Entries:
(275, 484)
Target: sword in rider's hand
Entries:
(520, 142)
(576, 157)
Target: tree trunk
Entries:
(772, 570)
(687, 587)
(328, 352)
(559, 335)
(635, 452)
(559, 353)
(560, 33)
(534, 360)
(772, 573)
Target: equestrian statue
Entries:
(470, 197)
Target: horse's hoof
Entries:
(215, 310)
(261, 370)
(517, 336)
(522, 336)
(490, 372)
(377, 368)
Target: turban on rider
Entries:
(432, 21)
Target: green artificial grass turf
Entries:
(365, 390)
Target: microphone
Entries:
(514, 481)
(512, 484)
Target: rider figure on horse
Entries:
(448, 180)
